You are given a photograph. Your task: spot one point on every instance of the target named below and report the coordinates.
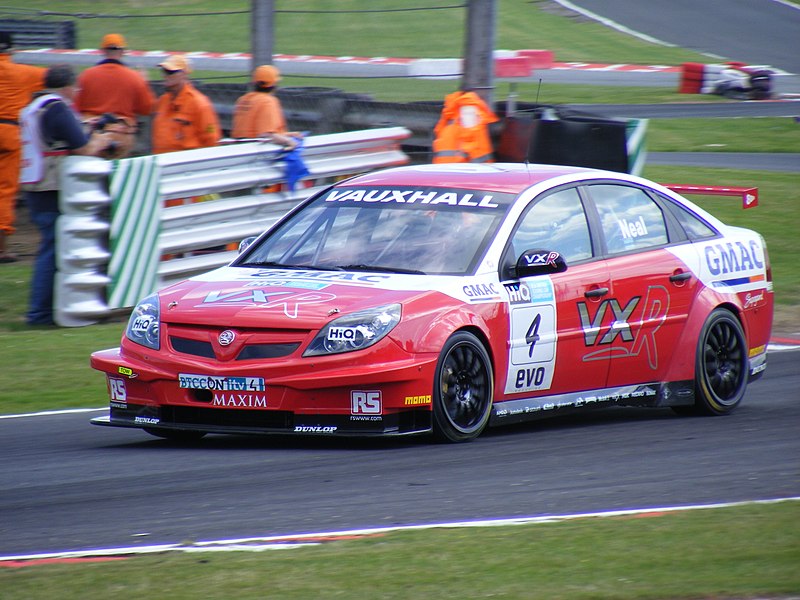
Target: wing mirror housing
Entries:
(538, 262)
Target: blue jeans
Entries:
(44, 213)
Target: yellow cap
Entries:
(112, 41)
(266, 75)
(177, 62)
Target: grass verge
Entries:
(739, 552)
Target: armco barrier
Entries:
(132, 226)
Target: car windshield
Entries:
(408, 230)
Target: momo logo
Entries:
(290, 302)
(612, 321)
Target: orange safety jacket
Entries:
(257, 113)
(184, 122)
(17, 85)
(112, 87)
(462, 133)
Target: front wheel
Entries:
(463, 388)
(721, 368)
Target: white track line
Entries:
(304, 539)
(47, 413)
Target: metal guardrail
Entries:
(132, 226)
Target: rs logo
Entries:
(365, 403)
(627, 325)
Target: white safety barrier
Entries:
(132, 226)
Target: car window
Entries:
(694, 226)
(631, 220)
(384, 229)
(555, 222)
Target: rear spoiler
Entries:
(749, 195)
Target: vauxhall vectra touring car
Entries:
(444, 298)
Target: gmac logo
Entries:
(632, 338)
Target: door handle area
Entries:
(677, 277)
(596, 292)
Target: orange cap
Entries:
(267, 75)
(112, 40)
(176, 62)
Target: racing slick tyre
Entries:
(463, 388)
(175, 435)
(721, 367)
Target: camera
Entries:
(105, 120)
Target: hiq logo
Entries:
(365, 402)
(142, 324)
(519, 293)
(343, 334)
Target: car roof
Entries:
(496, 177)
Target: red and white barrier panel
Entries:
(749, 195)
(509, 64)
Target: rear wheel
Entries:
(721, 367)
(462, 394)
(175, 435)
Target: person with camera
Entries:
(112, 96)
(51, 129)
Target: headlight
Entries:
(355, 331)
(144, 324)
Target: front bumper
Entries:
(386, 394)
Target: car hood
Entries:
(247, 297)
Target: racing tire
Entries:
(721, 366)
(175, 435)
(463, 389)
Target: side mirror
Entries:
(245, 243)
(539, 262)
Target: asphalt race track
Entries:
(757, 33)
(67, 485)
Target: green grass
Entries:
(432, 33)
(764, 134)
(738, 552)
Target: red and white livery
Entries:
(441, 299)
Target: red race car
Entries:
(444, 298)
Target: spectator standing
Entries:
(258, 113)
(185, 118)
(112, 88)
(17, 84)
(50, 130)
(462, 133)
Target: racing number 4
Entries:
(533, 334)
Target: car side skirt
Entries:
(654, 395)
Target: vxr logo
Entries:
(541, 258)
(633, 337)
